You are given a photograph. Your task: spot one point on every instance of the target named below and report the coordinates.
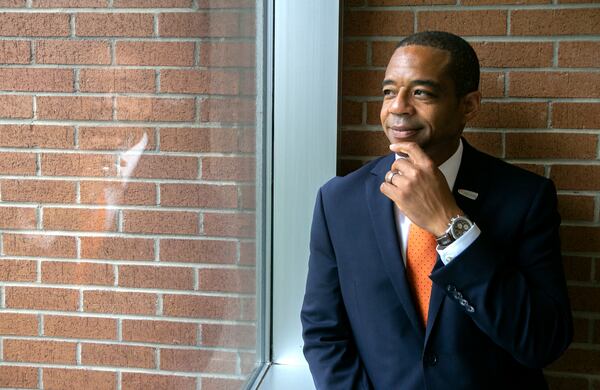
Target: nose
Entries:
(401, 105)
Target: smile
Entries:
(400, 132)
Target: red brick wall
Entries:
(127, 193)
(541, 110)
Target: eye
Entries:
(421, 92)
(388, 92)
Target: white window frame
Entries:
(299, 74)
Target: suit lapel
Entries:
(471, 178)
(384, 225)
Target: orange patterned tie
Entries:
(420, 258)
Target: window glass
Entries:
(128, 187)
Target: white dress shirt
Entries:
(449, 169)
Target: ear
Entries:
(471, 103)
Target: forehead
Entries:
(418, 62)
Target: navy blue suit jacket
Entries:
(360, 325)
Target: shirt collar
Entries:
(450, 167)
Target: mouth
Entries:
(402, 132)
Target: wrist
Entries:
(457, 227)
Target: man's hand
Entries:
(420, 190)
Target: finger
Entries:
(403, 166)
(414, 151)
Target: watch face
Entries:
(460, 226)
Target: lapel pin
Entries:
(468, 194)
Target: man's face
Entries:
(419, 101)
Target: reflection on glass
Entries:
(127, 194)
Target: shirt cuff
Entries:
(448, 253)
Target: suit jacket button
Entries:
(457, 295)
(463, 302)
(430, 359)
(470, 309)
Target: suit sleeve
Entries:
(328, 343)
(518, 297)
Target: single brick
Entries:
(155, 53)
(69, 3)
(15, 52)
(116, 138)
(77, 273)
(195, 306)
(199, 24)
(36, 80)
(514, 54)
(198, 140)
(161, 167)
(135, 381)
(511, 115)
(158, 277)
(576, 115)
(551, 145)
(228, 54)
(161, 332)
(38, 191)
(117, 248)
(576, 208)
(58, 164)
(230, 225)
(579, 54)
(17, 217)
(198, 251)
(112, 302)
(117, 193)
(362, 82)
(198, 195)
(42, 298)
(74, 108)
(200, 82)
(580, 239)
(491, 84)
(36, 136)
(114, 25)
(117, 355)
(209, 383)
(369, 23)
(576, 177)
(198, 361)
(117, 80)
(229, 168)
(80, 327)
(60, 378)
(234, 336)
(240, 280)
(17, 163)
(228, 110)
(487, 142)
(155, 109)
(555, 22)
(38, 245)
(464, 23)
(152, 3)
(18, 324)
(72, 52)
(160, 222)
(88, 220)
(554, 84)
(39, 351)
(18, 270)
(363, 143)
(18, 377)
(248, 253)
(34, 24)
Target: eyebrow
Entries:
(430, 83)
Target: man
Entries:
(437, 266)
